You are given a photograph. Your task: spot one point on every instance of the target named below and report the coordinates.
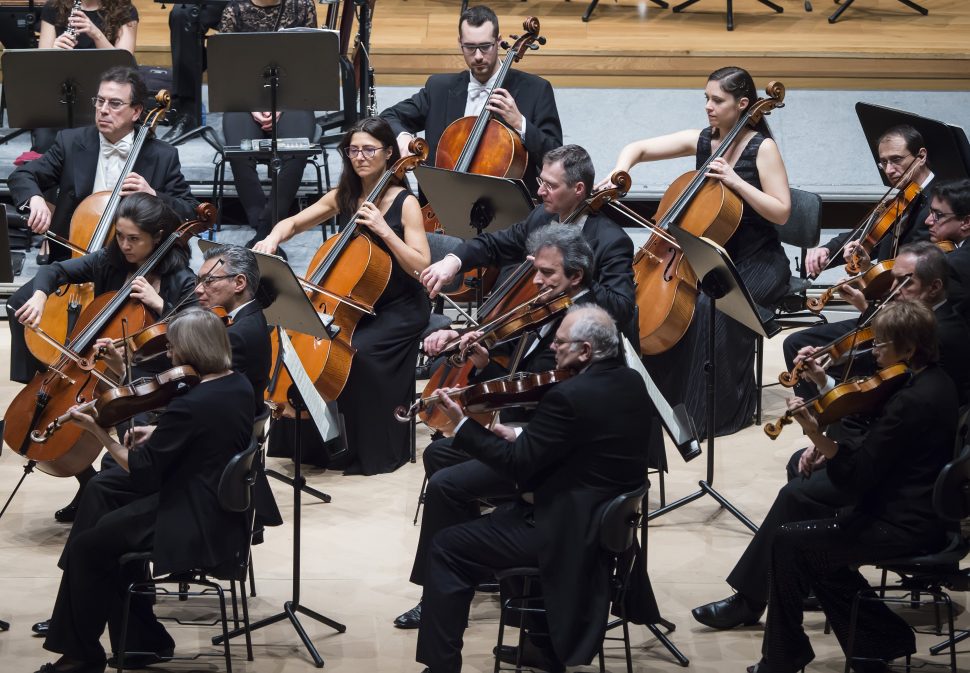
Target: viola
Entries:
(79, 375)
(859, 396)
(666, 285)
(521, 389)
(91, 229)
(120, 404)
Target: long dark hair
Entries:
(155, 218)
(737, 83)
(116, 13)
(350, 188)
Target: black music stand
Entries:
(845, 4)
(286, 306)
(46, 87)
(721, 283)
(730, 9)
(271, 71)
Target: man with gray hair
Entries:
(583, 447)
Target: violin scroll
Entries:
(527, 40)
(774, 429)
(157, 114)
(763, 106)
(418, 147)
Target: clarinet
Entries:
(372, 95)
(70, 29)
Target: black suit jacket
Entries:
(72, 162)
(251, 350)
(612, 282)
(583, 447)
(442, 101)
(954, 339)
(958, 280)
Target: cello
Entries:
(91, 229)
(666, 286)
(345, 278)
(79, 375)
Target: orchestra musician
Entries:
(810, 493)
(141, 223)
(583, 447)
(753, 168)
(382, 374)
(171, 511)
(526, 102)
(948, 219)
(249, 16)
(562, 259)
(890, 478)
(90, 159)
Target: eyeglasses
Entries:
(548, 185)
(937, 216)
(367, 150)
(892, 161)
(206, 281)
(484, 47)
(557, 342)
(113, 103)
(881, 344)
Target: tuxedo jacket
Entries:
(251, 350)
(583, 447)
(612, 282)
(442, 101)
(72, 162)
(958, 280)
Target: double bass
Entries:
(666, 285)
(91, 229)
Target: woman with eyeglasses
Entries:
(142, 222)
(249, 16)
(889, 480)
(381, 377)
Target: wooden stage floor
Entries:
(877, 44)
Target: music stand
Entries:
(286, 306)
(48, 87)
(271, 71)
(949, 153)
(719, 280)
(730, 9)
(848, 3)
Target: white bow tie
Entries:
(121, 149)
(476, 91)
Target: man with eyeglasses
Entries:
(525, 102)
(949, 220)
(90, 159)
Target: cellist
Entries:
(754, 169)
(387, 343)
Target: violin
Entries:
(874, 283)
(91, 229)
(829, 354)
(117, 405)
(521, 389)
(858, 396)
(666, 286)
(153, 340)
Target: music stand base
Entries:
(309, 490)
(730, 9)
(706, 489)
(848, 3)
(665, 641)
(290, 610)
(28, 468)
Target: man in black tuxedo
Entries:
(949, 220)
(90, 159)
(582, 448)
(524, 102)
(809, 493)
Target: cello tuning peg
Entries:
(513, 37)
(540, 40)
(533, 47)
(504, 44)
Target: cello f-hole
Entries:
(668, 270)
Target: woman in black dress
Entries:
(382, 374)
(753, 168)
(172, 511)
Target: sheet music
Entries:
(326, 424)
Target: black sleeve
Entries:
(880, 451)
(410, 114)
(174, 190)
(835, 245)
(149, 463)
(39, 175)
(180, 286)
(543, 133)
(48, 13)
(78, 270)
(612, 285)
(498, 248)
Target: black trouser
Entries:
(440, 454)
(814, 497)
(237, 126)
(820, 555)
(461, 557)
(185, 22)
(23, 365)
(817, 335)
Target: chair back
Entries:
(804, 226)
(618, 525)
(951, 493)
(259, 427)
(236, 484)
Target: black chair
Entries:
(930, 574)
(618, 527)
(235, 495)
(802, 230)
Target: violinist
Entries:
(563, 262)
(948, 219)
(382, 374)
(142, 222)
(899, 148)
(90, 159)
(525, 103)
(890, 479)
(565, 182)
(753, 168)
(582, 448)
(809, 493)
(171, 511)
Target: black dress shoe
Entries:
(66, 514)
(136, 661)
(79, 667)
(532, 657)
(410, 619)
(41, 628)
(182, 124)
(729, 613)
